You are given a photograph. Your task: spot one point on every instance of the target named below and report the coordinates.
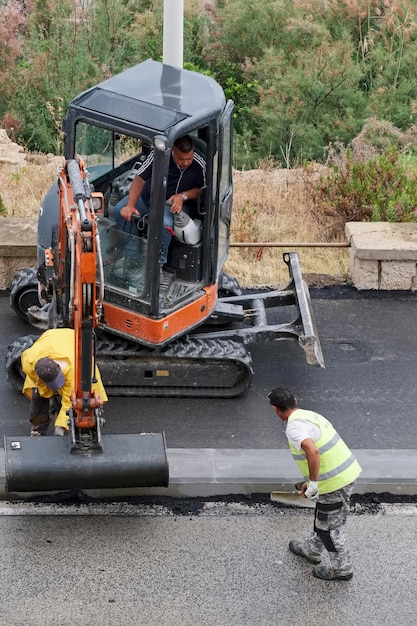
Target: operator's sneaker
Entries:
(327, 573)
(60, 431)
(296, 547)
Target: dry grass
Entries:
(24, 184)
(274, 205)
(270, 205)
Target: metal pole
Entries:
(173, 39)
(290, 244)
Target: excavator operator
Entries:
(186, 176)
(49, 368)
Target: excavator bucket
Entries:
(34, 464)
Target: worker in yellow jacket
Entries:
(49, 368)
(330, 471)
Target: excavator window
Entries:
(124, 257)
(98, 148)
(106, 154)
(112, 160)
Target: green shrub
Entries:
(381, 189)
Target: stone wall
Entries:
(382, 255)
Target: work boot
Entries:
(40, 430)
(35, 432)
(327, 573)
(60, 431)
(296, 547)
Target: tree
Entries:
(14, 15)
(65, 53)
(302, 73)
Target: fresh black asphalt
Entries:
(367, 389)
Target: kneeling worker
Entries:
(49, 368)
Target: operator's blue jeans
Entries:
(143, 209)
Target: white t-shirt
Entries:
(300, 429)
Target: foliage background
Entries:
(302, 73)
(314, 82)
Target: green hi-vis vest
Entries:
(338, 466)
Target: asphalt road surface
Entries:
(229, 565)
(367, 390)
(214, 563)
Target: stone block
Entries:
(382, 240)
(18, 237)
(9, 266)
(382, 255)
(18, 247)
(364, 274)
(399, 275)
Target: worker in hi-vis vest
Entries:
(330, 471)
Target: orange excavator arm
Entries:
(80, 239)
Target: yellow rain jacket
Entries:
(57, 344)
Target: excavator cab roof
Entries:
(149, 99)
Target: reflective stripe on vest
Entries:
(302, 456)
(338, 466)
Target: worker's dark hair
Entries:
(282, 398)
(184, 144)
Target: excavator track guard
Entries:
(24, 292)
(39, 464)
(188, 367)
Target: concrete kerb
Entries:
(205, 472)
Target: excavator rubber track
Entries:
(188, 367)
(24, 292)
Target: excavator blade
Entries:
(38, 464)
(309, 338)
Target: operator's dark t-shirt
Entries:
(179, 180)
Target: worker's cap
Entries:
(50, 372)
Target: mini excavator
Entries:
(179, 331)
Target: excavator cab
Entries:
(141, 300)
(113, 128)
(133, 277)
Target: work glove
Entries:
(312, 491)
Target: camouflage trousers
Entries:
(329, 532)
